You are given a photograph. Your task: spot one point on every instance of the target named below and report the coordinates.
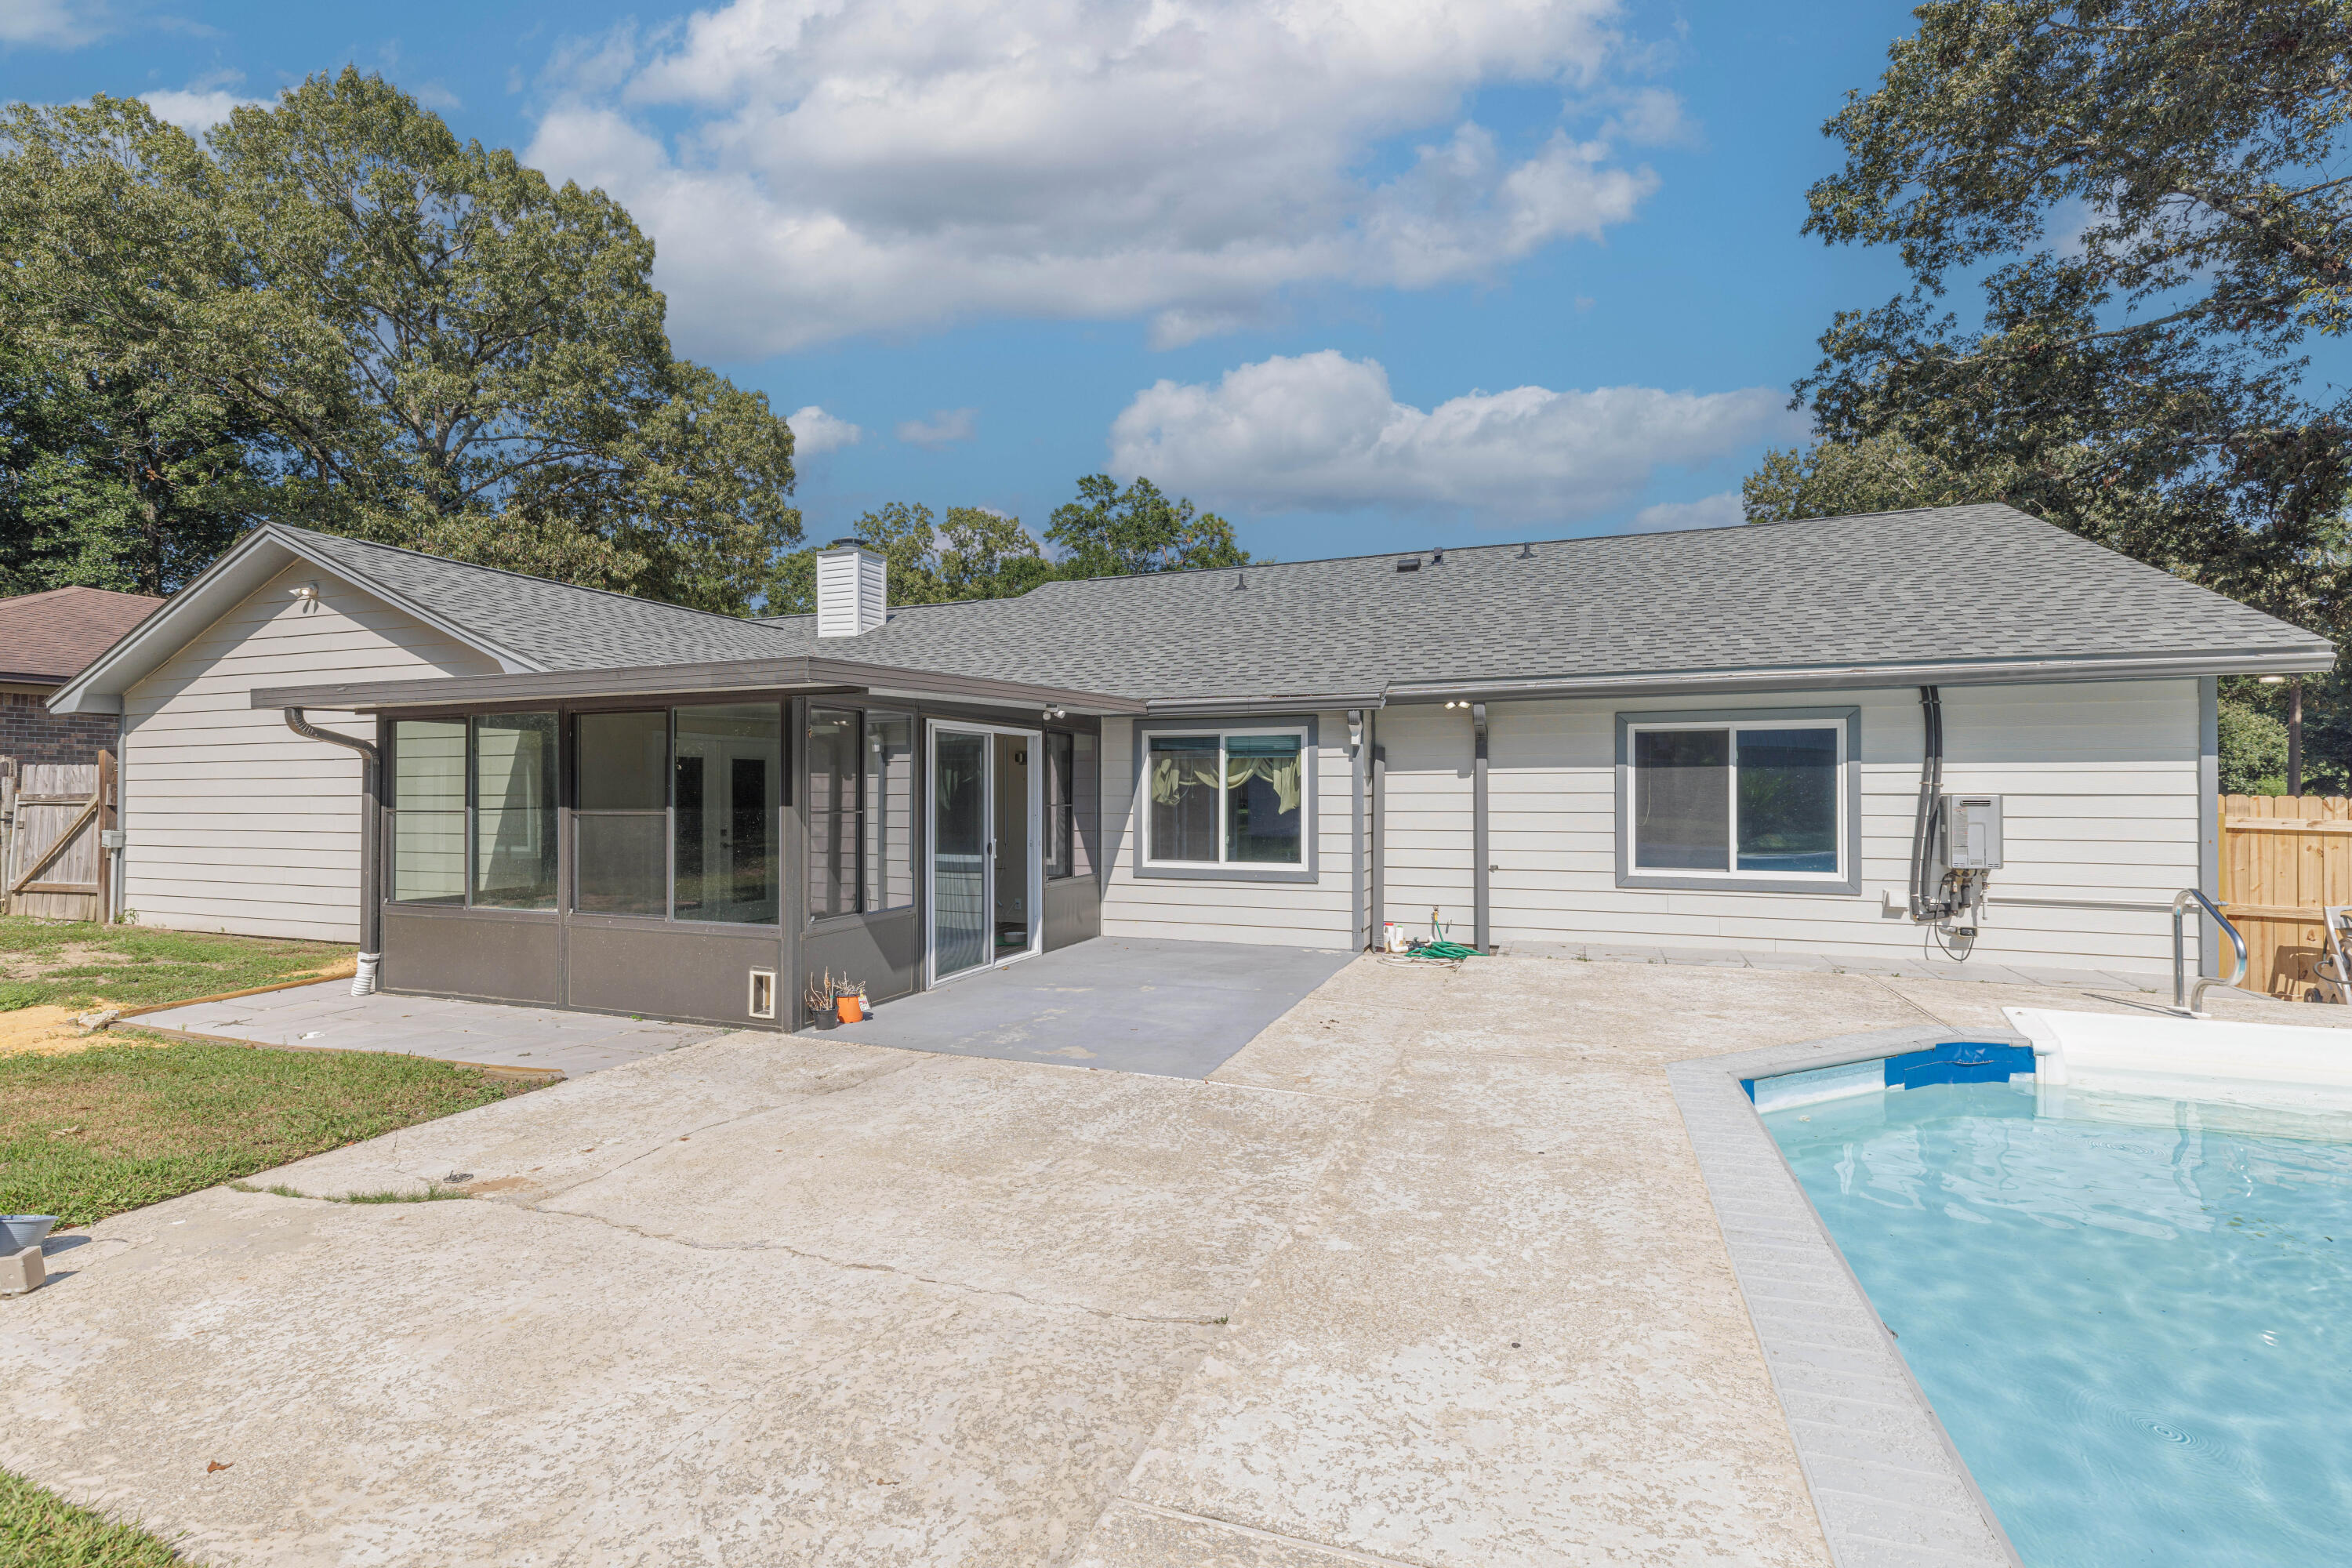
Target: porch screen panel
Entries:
(1788, 799)
(889, 812)
(727, 805)
(963, 935)
(833, 812)
(620, 826)
(514, 811)
(428, 801)
(1061, 805)
(1682, 799)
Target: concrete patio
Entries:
(327, 1016)
(1425, 1273)
(1179, 1009)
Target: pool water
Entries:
(2131, 1317)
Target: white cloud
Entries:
(1724, 511)
(1322, 433)
(945, 425)
(196, 112)
(841, 167)
(814, 432)
(53, 24)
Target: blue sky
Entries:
(1359, 278)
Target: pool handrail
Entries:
(2185, 997)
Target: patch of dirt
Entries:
(50, 961)
(48, 1031)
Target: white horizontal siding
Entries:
(1297, 914)
(2099, 791)
(232, 822)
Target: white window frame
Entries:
(1147, 863)
(1732, 876)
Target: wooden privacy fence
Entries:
(51, 817)
(2285, 858)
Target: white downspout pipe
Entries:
(370, 954)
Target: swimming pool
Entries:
(2128, 1311)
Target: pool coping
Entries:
(1890, 1489)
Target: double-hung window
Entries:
(473, 803)
(1226, 799)
(1742, 801)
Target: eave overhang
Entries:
(715, 678)
(2310, 660)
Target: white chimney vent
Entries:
(852, 589)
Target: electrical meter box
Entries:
(1971, 827)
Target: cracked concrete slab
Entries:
(478, 1383)
(773, 1299)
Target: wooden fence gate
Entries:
(51, 817)
(2285, 858)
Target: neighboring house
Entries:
(45, 641)
(1716, 737)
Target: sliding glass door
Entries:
(987, 869)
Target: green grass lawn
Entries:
(94, 1132)
(40, 1531)
(72, 963)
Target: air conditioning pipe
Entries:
(371, 792)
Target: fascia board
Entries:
(1846, 678)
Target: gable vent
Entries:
(852, 589)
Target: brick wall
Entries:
(31, 733)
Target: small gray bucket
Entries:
(19, 1231)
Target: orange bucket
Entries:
(849, 1009)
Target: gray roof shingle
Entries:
(1951, 584)
(551, 625)
(1943, 585)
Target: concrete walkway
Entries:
(1425, 1275)
(327, 1016)
(1176, 1008)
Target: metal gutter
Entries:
(1319, 701)
(1830, 678)
(719, 676)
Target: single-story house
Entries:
(44, 639)
(1958, 729)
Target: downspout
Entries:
(1479, 868)
(1379, 826)
(1357, 910)
(1926, 900)
(371, 793)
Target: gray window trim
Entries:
(1848, 885)
(1206, 725)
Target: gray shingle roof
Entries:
(1948, 584)
(551, 625)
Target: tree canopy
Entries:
(337, 313)
(1110, 532)
(2149, 197)
(976, 554)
